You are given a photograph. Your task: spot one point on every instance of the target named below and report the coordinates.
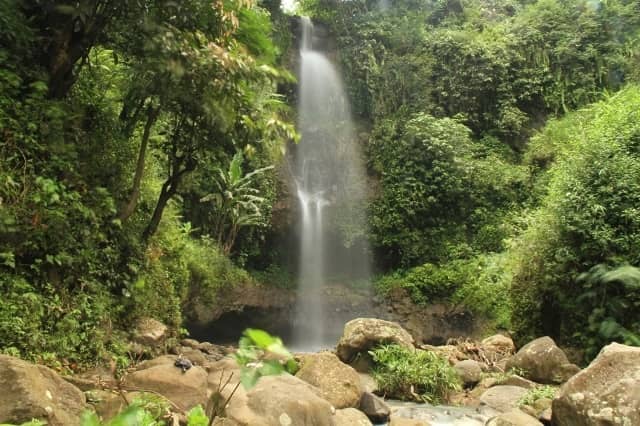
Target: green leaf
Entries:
(249, 377)
(197, 417)
(89, 418)
(260, 338)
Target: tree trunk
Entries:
(129, 207)
(66, 39)
(169, 189)
(165, 195)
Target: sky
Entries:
(288, 5)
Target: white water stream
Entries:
(330, 177)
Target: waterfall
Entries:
(330, 186)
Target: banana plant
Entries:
(236, 201)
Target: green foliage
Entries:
(612, 296)
(260, 354)
(422, 177)
(140, 414)
(588, 216)
(479, 285)
(236, 202)
(501, 65)
(117, 122)
(440, 190)
(413, 374)
(180, 272)
(536, 393)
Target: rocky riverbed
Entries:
(335, 388)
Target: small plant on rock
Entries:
(536, 393)
(413, 374)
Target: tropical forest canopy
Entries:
(142, 147)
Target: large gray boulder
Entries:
(363, 334)
(184, 389)
(514, 418)
(282, 400)
(469, 371)
(502, 398)
(499, 344)
(30, 391)
(542, 361)
(149, 332)
(375, 408)
(338, 383)
(351, 417)
(607, 392)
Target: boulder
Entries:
(374, 407)
(401, 421)
(282, 400)
(338, 383)
(542, 361)
(545, 416)
(108, 404)
(514, 418)
(514, 380)
(482, 386)
(502, 398)
(351, 417)
(451, 352)
(469, 371)
(185, 390)
(149, 332)
(368, 383)
(606, 392)
(161, 360)
(362, 334)
(36, 392)
(499, 343)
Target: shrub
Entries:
(413, 374)
(589, 216)
(479, 285)
(536, 393)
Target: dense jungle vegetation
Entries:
(141, 143)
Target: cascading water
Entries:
(330, 186)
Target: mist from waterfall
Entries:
(330, 186)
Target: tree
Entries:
(236, 202)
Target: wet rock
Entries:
(149, 332)
(351, 417)
(606, 392)
(185, 389)
(32, 391)
(502, 398)
(514, 418)
(542, 361)
(362, 334)
(401, 421)
(201, 312)
(338, 383)
(374, 407)
(469, 371)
